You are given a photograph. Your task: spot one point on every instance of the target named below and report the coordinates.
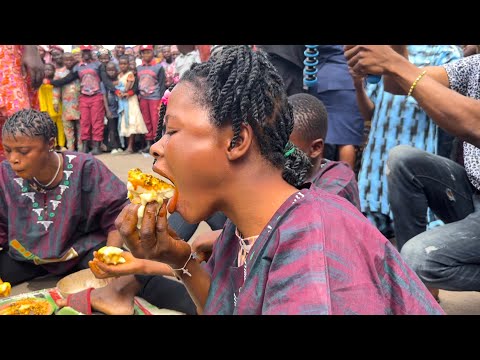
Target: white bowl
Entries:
(79, 281)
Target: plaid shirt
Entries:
(85, 206)
(317, 255)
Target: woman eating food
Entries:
(56, 209)
(288, 247)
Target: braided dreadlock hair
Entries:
(31, 123)
(161, 115)
(242, 86)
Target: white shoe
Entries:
(120, 150)
(114, 151)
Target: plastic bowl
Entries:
(79, 281)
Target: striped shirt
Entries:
(397, 120)
(337, 178)
(317, 255)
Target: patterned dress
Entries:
(317, 255)
(45, 96)
(16, 91)
(68, 95)
(131, 119)
(55, 229)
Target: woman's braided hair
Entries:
(31, 123)
(242, 86)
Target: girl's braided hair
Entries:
(31, 123)
(242, 86)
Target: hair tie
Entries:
(289, 149)
(165, 97)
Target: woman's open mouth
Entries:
(172, 203)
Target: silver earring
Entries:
(51, 150)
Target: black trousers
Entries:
(165, 293)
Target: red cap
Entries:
(86, 47)
(146, 47)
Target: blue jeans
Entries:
(446, 257)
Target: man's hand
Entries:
(358, 80)
(469, 50)
(203, 244)
(155, 240)
(33, 63)
(370, 59)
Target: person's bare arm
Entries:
(203, 244)
(108, 113)
(365, 105)
(392, 63)
(393, 84)
(457, 114)
(156, 241)
(34, 64)
(71, 76)
(114, 239)
(132, 266)
(470, 50)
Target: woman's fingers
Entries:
(147, 231)
(126, 224)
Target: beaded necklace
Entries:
(40, 207)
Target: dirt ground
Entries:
(454, 303)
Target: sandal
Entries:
(81, 301)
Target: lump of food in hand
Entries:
(5, 288)
(111, 255)
(28, 306)
(143, 188)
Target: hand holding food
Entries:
(132, 265)
(110, 255)
(144, 188)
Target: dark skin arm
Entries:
(203, 244)
(365, 105)
(135, 86)
(109, 85)
(71, 76)
(107, 109)
(457, 114)
(114, 239)
(162, 78)
(132, 266)
(469, 50)
(156, 241)
(33, 63)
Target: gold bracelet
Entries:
(416, 82)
